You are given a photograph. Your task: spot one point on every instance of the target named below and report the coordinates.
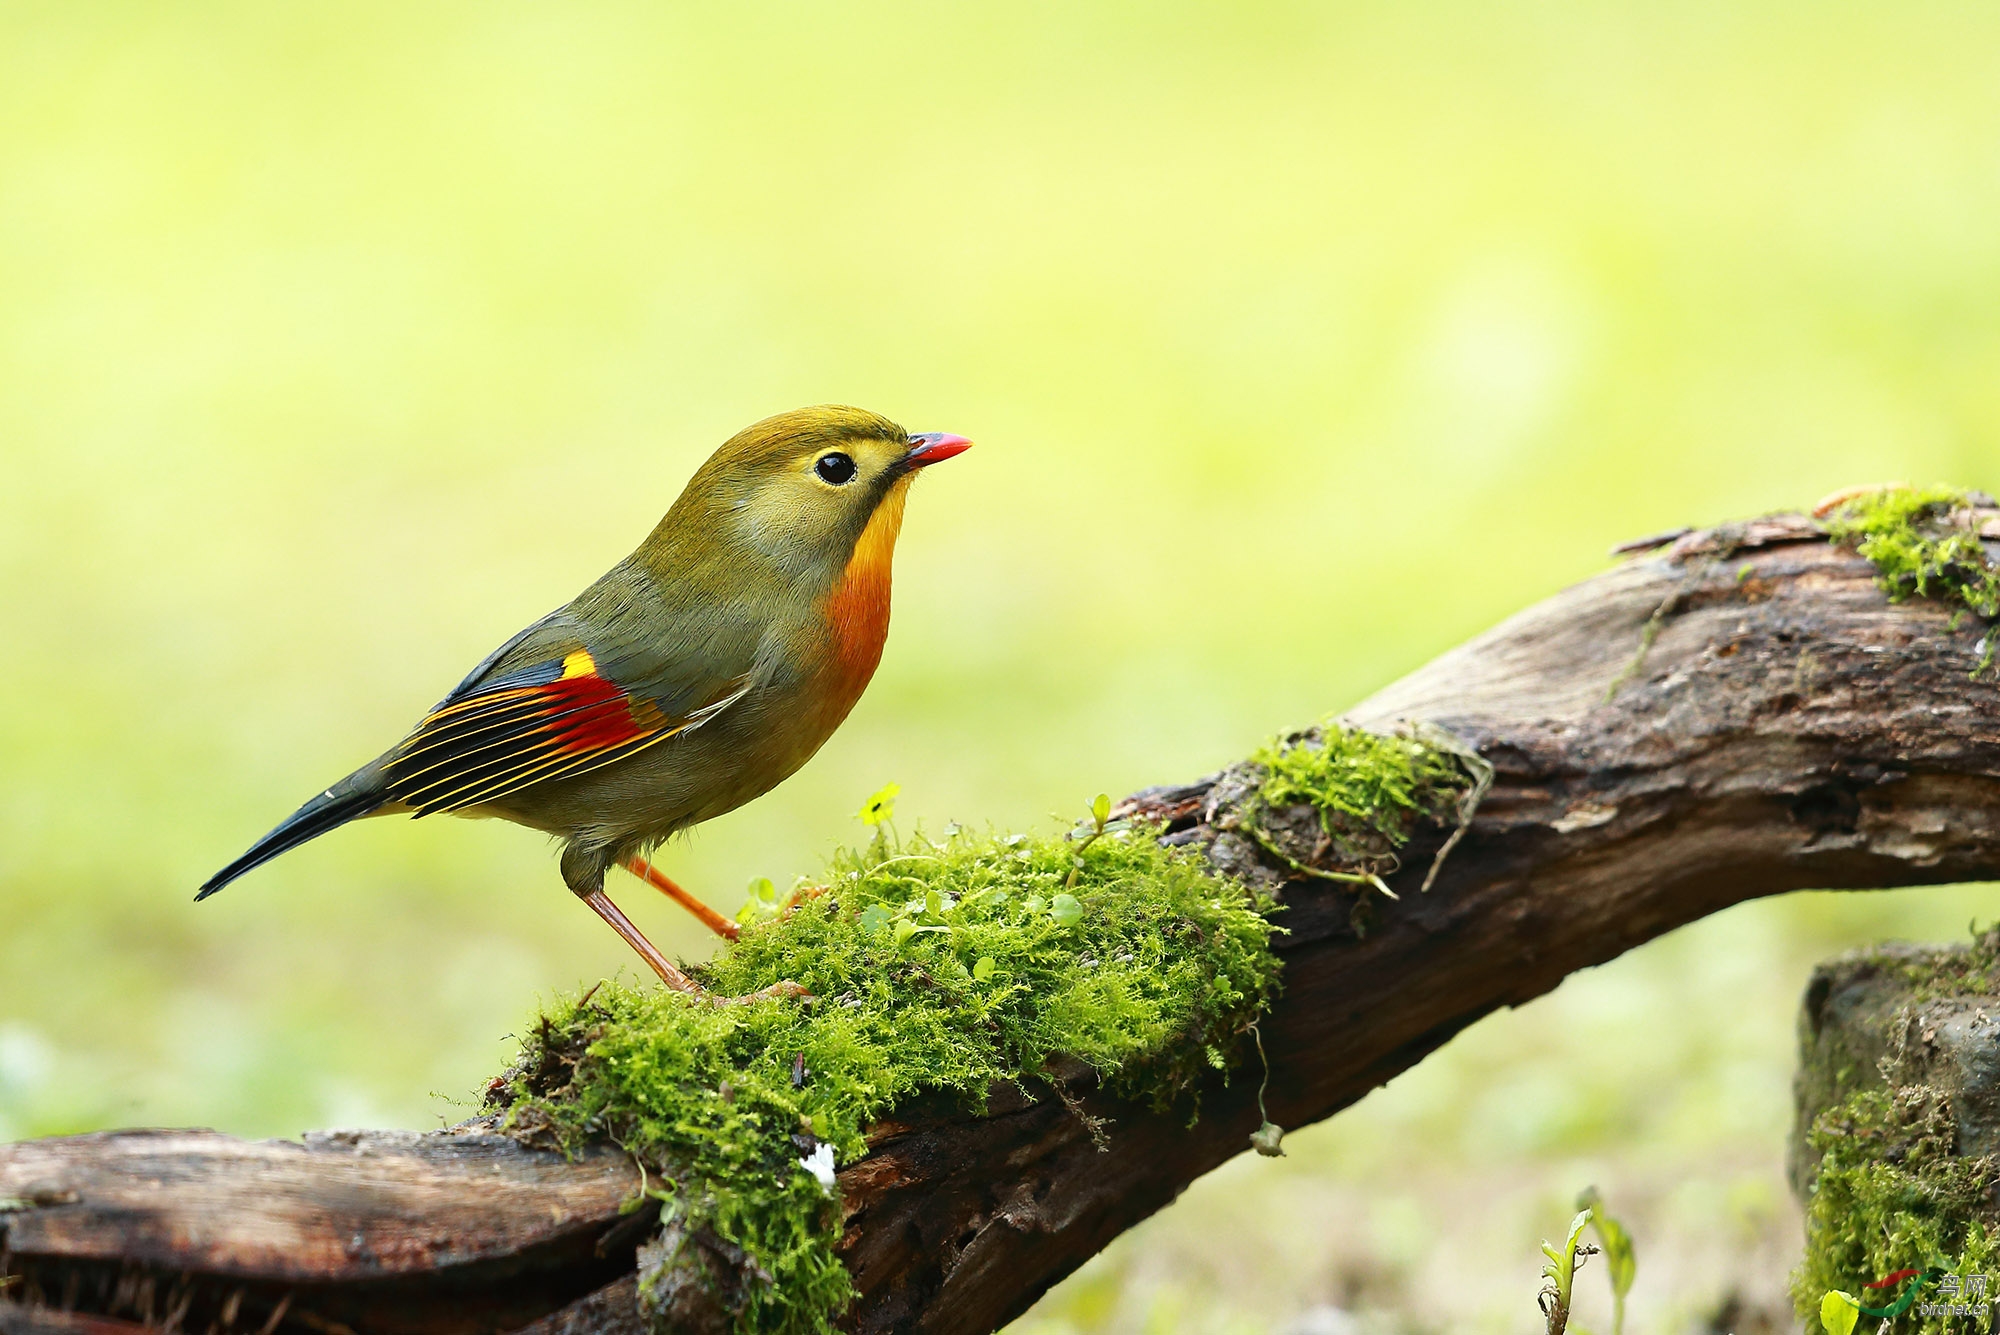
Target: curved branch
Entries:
(1739, 715)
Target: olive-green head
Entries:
(797, 491)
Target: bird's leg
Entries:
(665, 884)
(583, 871)
(672, 977)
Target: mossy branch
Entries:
(947, 968)
(1789, 726)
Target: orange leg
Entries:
(660, 881)
(672, 977)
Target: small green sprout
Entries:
(1619, 1258)
(1559, 1273)
(1100, 820)
(1066, 909)
(760, 904)
(983, 970)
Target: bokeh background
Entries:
(1301, 342)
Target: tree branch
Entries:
(1738, 715)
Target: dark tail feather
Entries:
(350, 798)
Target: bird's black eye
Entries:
(835, 468)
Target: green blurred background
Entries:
(1301, 342)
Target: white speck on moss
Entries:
(820, 1164)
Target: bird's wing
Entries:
(550, 705)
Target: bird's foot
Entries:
(1827, 504)
(800, 896)
(784, 991)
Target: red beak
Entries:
(935, 447)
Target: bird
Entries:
(697, 674)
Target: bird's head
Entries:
(808, 491)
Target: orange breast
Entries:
(858, 608)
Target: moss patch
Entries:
(934, 968)
(1365, 793)
(1891, 1195)
(1935, 974)
(1924, 542)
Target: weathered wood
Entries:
(390, 1231)
(1787, 727)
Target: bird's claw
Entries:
(1827, 504)
(780, 991)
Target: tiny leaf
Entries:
(1100, 810)
(874, 918)
(1067, 910)
(905, 929)
(1838, 1312)
(1619, 1256)
(983, 970)
(759, 903)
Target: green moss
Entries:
(1892, 1195)
(1925, 544)
(1367, 792)
(934, 968)
(1946, 971)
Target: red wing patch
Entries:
(589, 714)
(499, 741)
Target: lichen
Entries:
(1924, 543)
(1366, 792)
(1891, 1196)
(934, 968)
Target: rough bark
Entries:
(1785, 727)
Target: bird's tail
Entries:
(354, 796)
